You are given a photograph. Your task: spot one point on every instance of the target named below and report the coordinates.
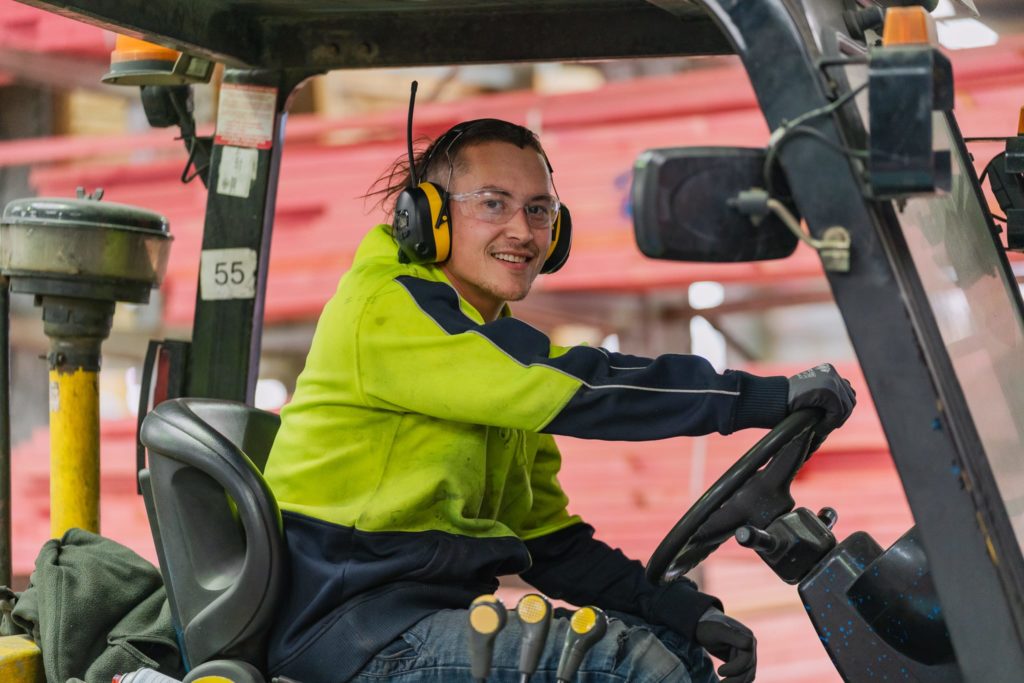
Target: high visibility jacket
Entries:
(415, 462)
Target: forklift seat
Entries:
(216, 525)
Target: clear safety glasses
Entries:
(497, 207)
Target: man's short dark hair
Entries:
(441, 158)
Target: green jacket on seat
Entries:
(95, 609)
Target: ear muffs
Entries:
(561, 240)
(423, 230)
(421, 227)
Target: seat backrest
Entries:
(216, 524)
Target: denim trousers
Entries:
(436, 650)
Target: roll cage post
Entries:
(895, 335)
(224, 355)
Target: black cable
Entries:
(840, 61)
(791, 128)
(826, 109)
(789, 134)
(193, 147)
(996, 138)
(185, 177)
(179, 100)
(413, 180)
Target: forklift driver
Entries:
(416, 461)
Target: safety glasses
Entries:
(498, 207)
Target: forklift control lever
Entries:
(828, 517)
(487, 617)
(587, 626)
(534, 612)
(752, 537)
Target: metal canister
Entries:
(83, 247)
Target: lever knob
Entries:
(486, 618)
(534, 613)
(752, 537)
(587, 626)
(828, 517)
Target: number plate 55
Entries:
(227, 274)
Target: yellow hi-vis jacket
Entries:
(415, 461)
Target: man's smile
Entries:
(513, 257)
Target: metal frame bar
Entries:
(359, 35)
(5, 433)
(226, 334)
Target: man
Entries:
(415, 463)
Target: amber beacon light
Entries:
(137, 62)
(909, 26)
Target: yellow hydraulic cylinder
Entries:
(74, 450)
(20, 660)
(78, 257)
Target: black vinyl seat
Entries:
(216, 525)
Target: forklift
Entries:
(865, 164)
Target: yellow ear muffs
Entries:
(421, 226)
(561, 240)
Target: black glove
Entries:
(822, 387)
(730, 641)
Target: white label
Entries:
(237, 170)
(54, 397)
(245, 115)
(227, 274)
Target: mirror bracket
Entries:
(834, 246)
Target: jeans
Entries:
(436, 650)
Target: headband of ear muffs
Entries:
(422, 225)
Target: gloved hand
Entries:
(822, 387)
(730, 641)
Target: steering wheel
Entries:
(745, 494)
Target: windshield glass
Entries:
(975, 305)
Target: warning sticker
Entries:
(245, 116)
(237, 170)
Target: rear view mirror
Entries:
(681, 206)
